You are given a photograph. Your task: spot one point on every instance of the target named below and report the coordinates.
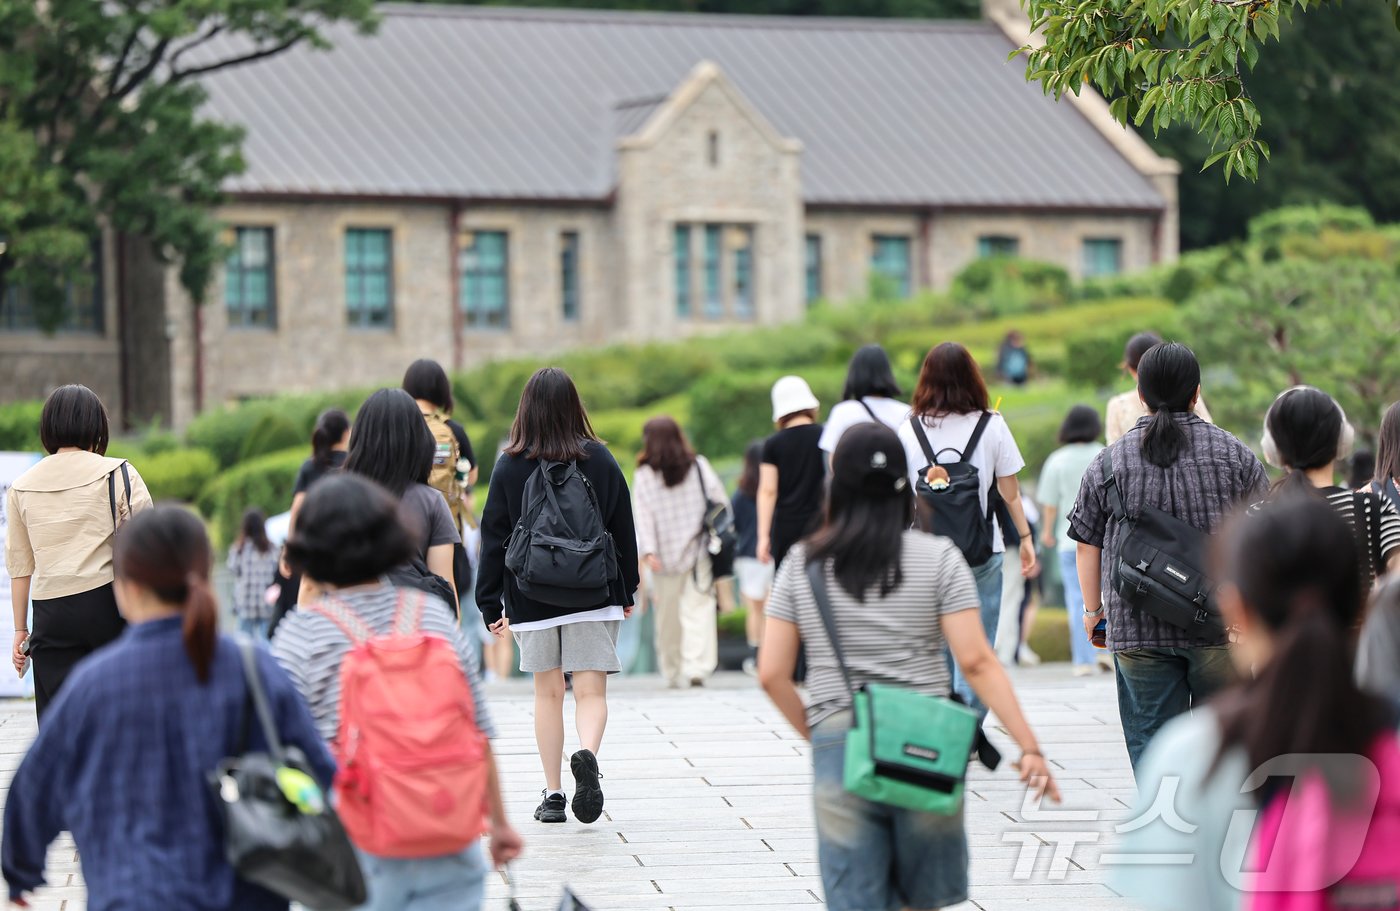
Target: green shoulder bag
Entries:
(904, 749)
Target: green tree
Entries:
(100, 125)
(907, 9)
(1328, 323)
(1167, 62)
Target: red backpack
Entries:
(412, 776)
(1315, 856)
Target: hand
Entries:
(1091, 621)
(19, 903)
(506, 844)
(1029, 562)
(1035, 772)
(500, 629)
(20, 659)
(1047, 539)
(765, 550)
(652, 562)
(627, 611)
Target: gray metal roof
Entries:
(490, 103)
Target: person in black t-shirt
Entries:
(793, 475)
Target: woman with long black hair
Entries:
(1173, 461)
(329, 441)
(62, 515)
(899, 599)
(872, 394)
(551, 425)
(1291, 588)
(123, 759)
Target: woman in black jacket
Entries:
(552, 426)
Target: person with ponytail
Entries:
(1306, 433)
(123, 759)
(1174, 461)
(1269, 778)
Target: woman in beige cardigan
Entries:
(61, 516)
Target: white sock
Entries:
(552, 793)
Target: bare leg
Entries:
(549, 724)
(754, 621)
(590, 708)
(500, 656)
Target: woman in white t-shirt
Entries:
(871, 396)
(949, 403)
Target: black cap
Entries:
(870, 460)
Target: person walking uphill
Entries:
(674, 491)
(252, 560)
(896, 599)
(62, 514)
(401, 728)
(871, 395)
(123, 757)
(559, 569)
(1173, 471)
(1125, 409)
(791, 480)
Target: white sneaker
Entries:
(1083, 670)
(751, 667)
(1106, 662)
(1026, 658)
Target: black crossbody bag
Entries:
(1161, 567)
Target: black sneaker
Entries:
(551, 809)
(588, 795)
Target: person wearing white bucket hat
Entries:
(793, 474)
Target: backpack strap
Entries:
(112, 491)
(976, 437)
(1115, 495)
(870, 411)
(345, 619)
(408, 615)
(917, 423)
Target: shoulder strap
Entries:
(112, 491)
(408, 615)
(976, 437)
(816, 575)
(259, 698)
(870, 411)
(348, 622)
(1115, 495)
(917, 423)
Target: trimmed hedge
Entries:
(273, 432)
(177, 474)
(225, 431)
(265, 482)
(728, 410)
(998, 285)
(19, 427)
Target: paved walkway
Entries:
(708, 805)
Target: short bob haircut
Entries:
(870, 374)
(1137, 346)
(551, 423)
(425, 379)
(74, 416)
(390, 442)
(348, 532)
(1082, 425)
(950, 383)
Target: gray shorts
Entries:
(590, 645)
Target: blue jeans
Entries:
(1081, 650)
(988, 579)
(1157, 684)
(456, 882)
(876, 857)
(257, 629)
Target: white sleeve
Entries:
(1008, 454)
(837, 423)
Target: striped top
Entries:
(311, 648)
(1376, 554)
(895, 640)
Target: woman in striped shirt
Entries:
(899, 598)
(1306, 433)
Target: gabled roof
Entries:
(483, 103)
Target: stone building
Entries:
(477, 182)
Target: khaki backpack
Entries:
(446, 455)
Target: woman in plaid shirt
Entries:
(673, 488)
(253, 562)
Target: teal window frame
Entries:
(484, 287)
(714, 265)
(812, 256)
(743, 265)
(369, 278)
(990, 245)
(250, 279)
(892, 255)
(568, 276)
(1103, 256)
(682, 258)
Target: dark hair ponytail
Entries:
(1304, 430)
(167, 551)
(1168, 378)
(331, 426)
(1295, 565)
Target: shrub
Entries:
(272, 432)
(727, 410)
(177, 474)
(223, 431)
(1273, 227)
(999, 285)
(1094, 358)
(19, 427)
(265, 482)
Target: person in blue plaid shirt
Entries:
(253, 561)
(125, 751)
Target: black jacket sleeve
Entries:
(495, 531)
(618, 512)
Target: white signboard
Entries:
(12, 465)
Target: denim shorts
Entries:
(455, 882)
(876, 857)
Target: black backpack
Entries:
(561, 552)
(414, 573)
(956, 511)
(1161, 567)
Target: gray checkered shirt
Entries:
(1215, 475)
